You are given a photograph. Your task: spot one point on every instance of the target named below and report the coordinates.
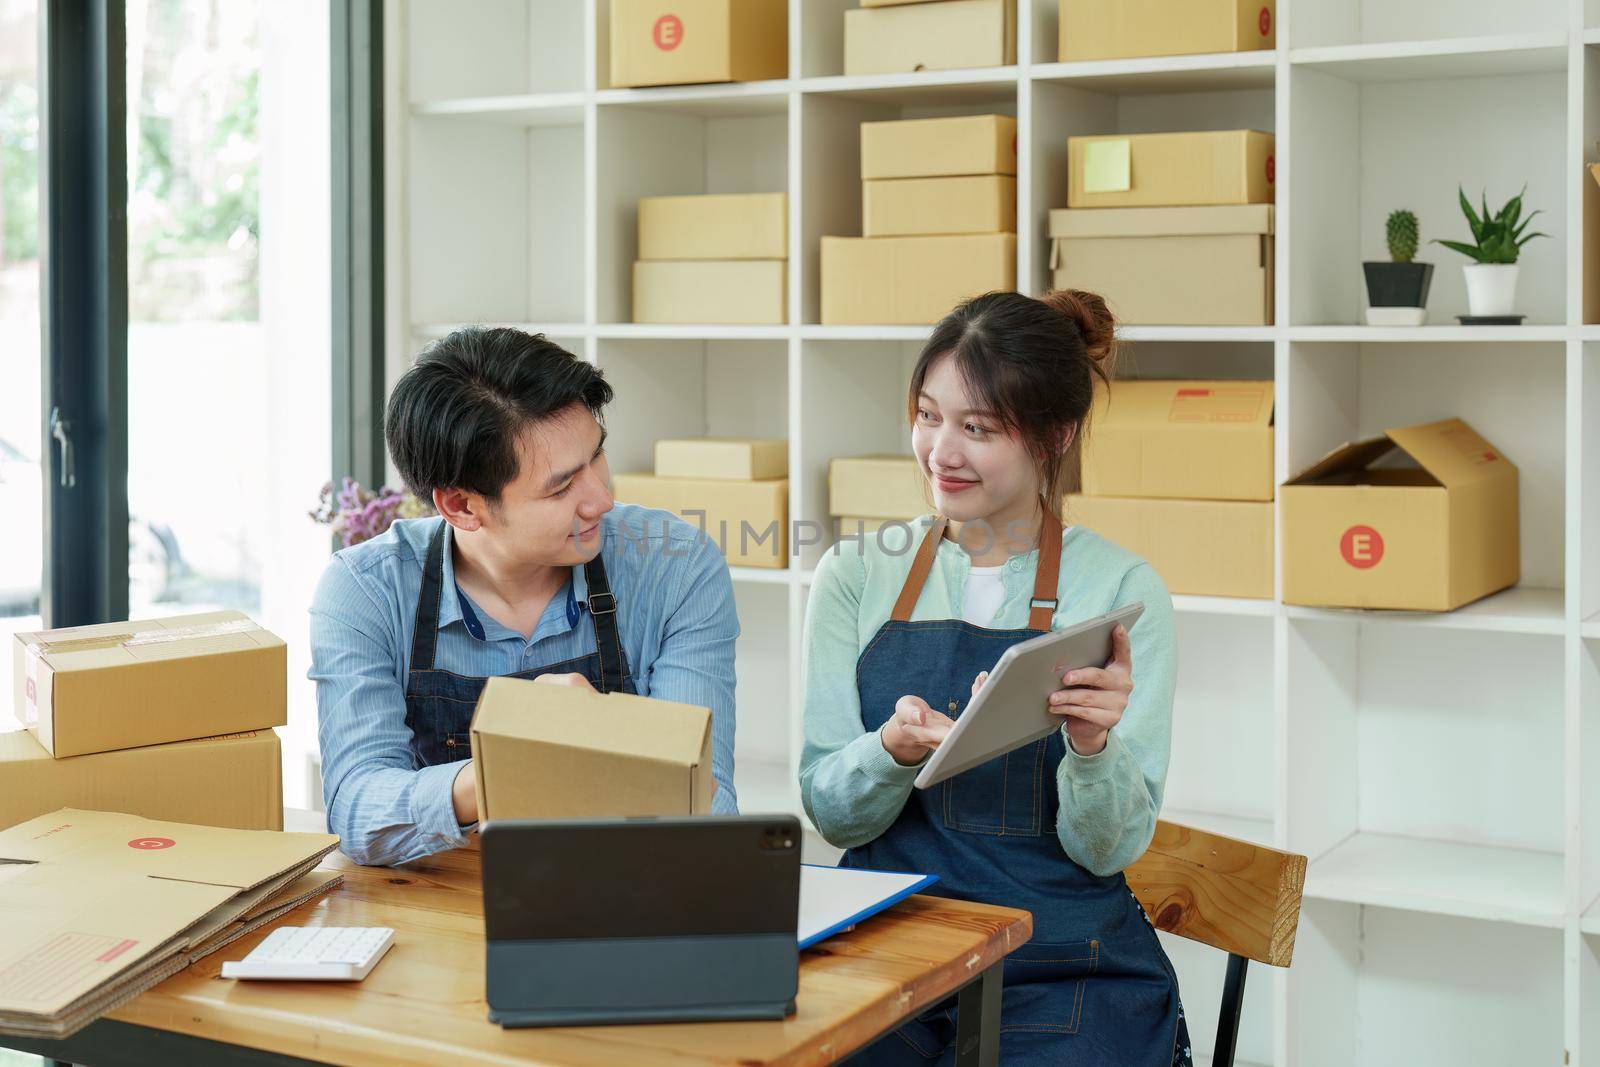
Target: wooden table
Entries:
(424, 1002)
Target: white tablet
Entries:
(1011, 708)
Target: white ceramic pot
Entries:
(1491, 288)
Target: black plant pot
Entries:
(1398, 285)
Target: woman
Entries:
(998, 403)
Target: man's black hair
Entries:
(455, 417)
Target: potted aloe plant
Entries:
(1397, 291)
(1492, 276)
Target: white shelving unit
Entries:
(1442, 772)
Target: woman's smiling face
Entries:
(977, 469)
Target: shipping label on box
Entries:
(559, 752)
(126, 684)
(1124, 29)
(739, 226)
(878, 487)
(680, 42)
(1196, 440)
(948, 35)
(723, 458)
(911, 280)
(1200, 547)
(939, 148)
(1171, 169)
(748, 521)
(1425, 537)
(906, 207)
(736, 291)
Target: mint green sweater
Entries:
(853, 789)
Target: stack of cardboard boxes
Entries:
(680, 42)
(864, 492)
(893, 36)
(168, 719)
(1180, 231)
(1181, 473)
(736, 489)
(712, 259)
(939, 214)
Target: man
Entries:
(530, 571)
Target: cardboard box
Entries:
(1124, 29)
(126, 684)
(742, 226)
(1202, 547)
(906, 207)
(881, 487)
(1425, 538)
(744, 291)
(234, 781)
(939, 148)
(1193, 440)
(558, 752)
(1170, 266)
(1171, 169)
(748, 521)
(911, 280)
(939, 36)
(680, 42)
(744, 459)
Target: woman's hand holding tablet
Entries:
(1094, 698)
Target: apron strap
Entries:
(425, 634)
(1047, 574)
(603, 615)
(920, 567)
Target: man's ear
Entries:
(460, 509)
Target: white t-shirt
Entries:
(985, 592)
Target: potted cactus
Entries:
(1497, 240)
(1397, 291)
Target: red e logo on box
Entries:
(668, 32)
(1264, 21)
(1361, 547)
(151, 842)
(1272, 170)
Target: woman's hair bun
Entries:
(1094, 320)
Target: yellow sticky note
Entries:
(1106, 167)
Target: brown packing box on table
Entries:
(747, 520)
(233, 781)
(1426, 538)
(911, 280)
(947, 35)
(1125, 29)
(1202, 547)
(116, 902)
(906, 207)
(746, 459)
(559, 752)
(880, 487)
(126, 684)
(1194, 440)
(740, 291)
(1171, 169)
(1170, 266)
(939, 148)
(734, 226)
(680, 42)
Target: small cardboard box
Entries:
(126, 684)
(736, 226)
(1202, 547)
(1171, 169)
(937, 36)
(911, 280)
(1170, 266)
(1193, 440)
(1429, 537)
(939, 148)
(680, 42)
(559, 752)
(908, 207)
(741, 291)
(234, 781)
(748, 521)
(742, 459)
(1124, 29)
(878, 487)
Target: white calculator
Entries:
(315, 953)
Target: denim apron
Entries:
(1093, 986)
(439, 704)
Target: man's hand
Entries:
(464, 795)
(577, 681)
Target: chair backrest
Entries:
(1237, 896)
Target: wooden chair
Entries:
(1233, 895)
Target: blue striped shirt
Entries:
(676, 618)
